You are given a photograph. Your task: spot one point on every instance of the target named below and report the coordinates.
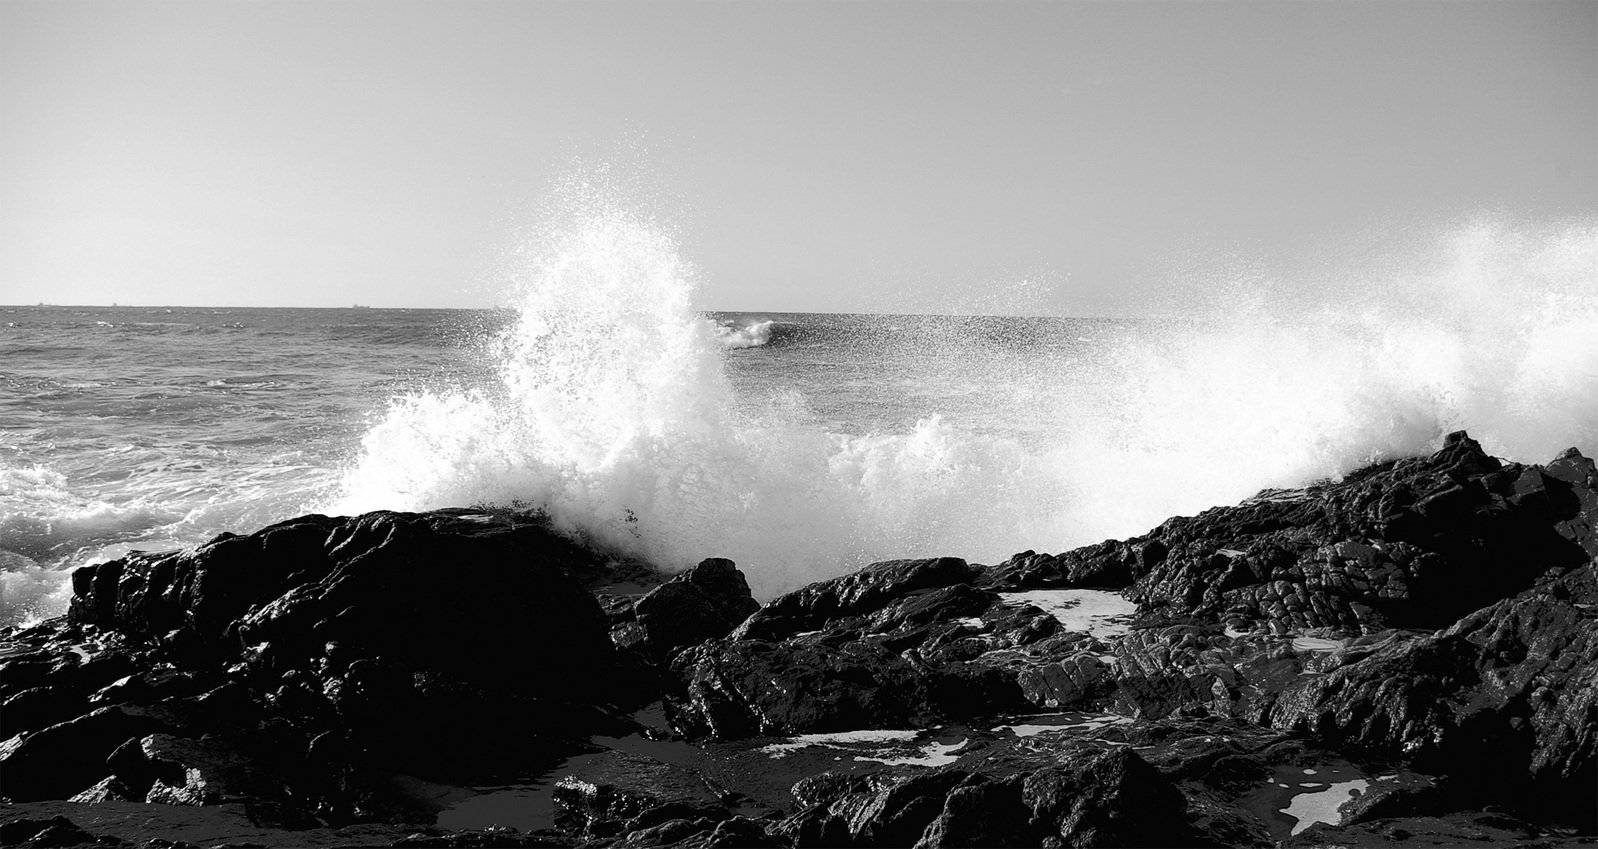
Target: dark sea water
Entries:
(800, 445)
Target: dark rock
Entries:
(874, 810)
(1412, 543)
(1579, 522)
(1407, 795)
(668, 833)
(387, 600)
(739, 688)
(703, 603)
(163, 682)
(860, 592)
(302, 668)
(980, 812)
(1076, 795)
(383, 637)
(201, 592)
(183, 771)
(370, 583)
(740, 833)
(65, 758)
(1106, 798)
(1510, 690)
(1457, 829)
(1107, 565)
(623, 792)
(41, 707)
(54, 683)
(108, 789)
(888, 651)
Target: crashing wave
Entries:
(636, 438)
(752, 335)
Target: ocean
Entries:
(801, 445)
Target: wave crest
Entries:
(753, 335)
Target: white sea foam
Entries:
(634, 437)
(50, 523)
(28, 592)
(39, 514)
(750, 336)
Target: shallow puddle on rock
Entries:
(1100, 613)
(530, 804)
(525, 806)
(1297, 797)
(1321, 805)
(761, 772)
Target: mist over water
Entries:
(632, 418)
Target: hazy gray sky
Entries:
(813, 156)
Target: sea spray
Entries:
(1486, 327)
(613, 410)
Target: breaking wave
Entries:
(751, 335)
(636, 438)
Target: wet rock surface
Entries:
(1407, 656)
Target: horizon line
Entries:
(44, 305)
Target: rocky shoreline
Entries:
(1404, 657)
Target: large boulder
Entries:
(455, 592)
(451, 645)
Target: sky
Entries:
(1031, 157)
